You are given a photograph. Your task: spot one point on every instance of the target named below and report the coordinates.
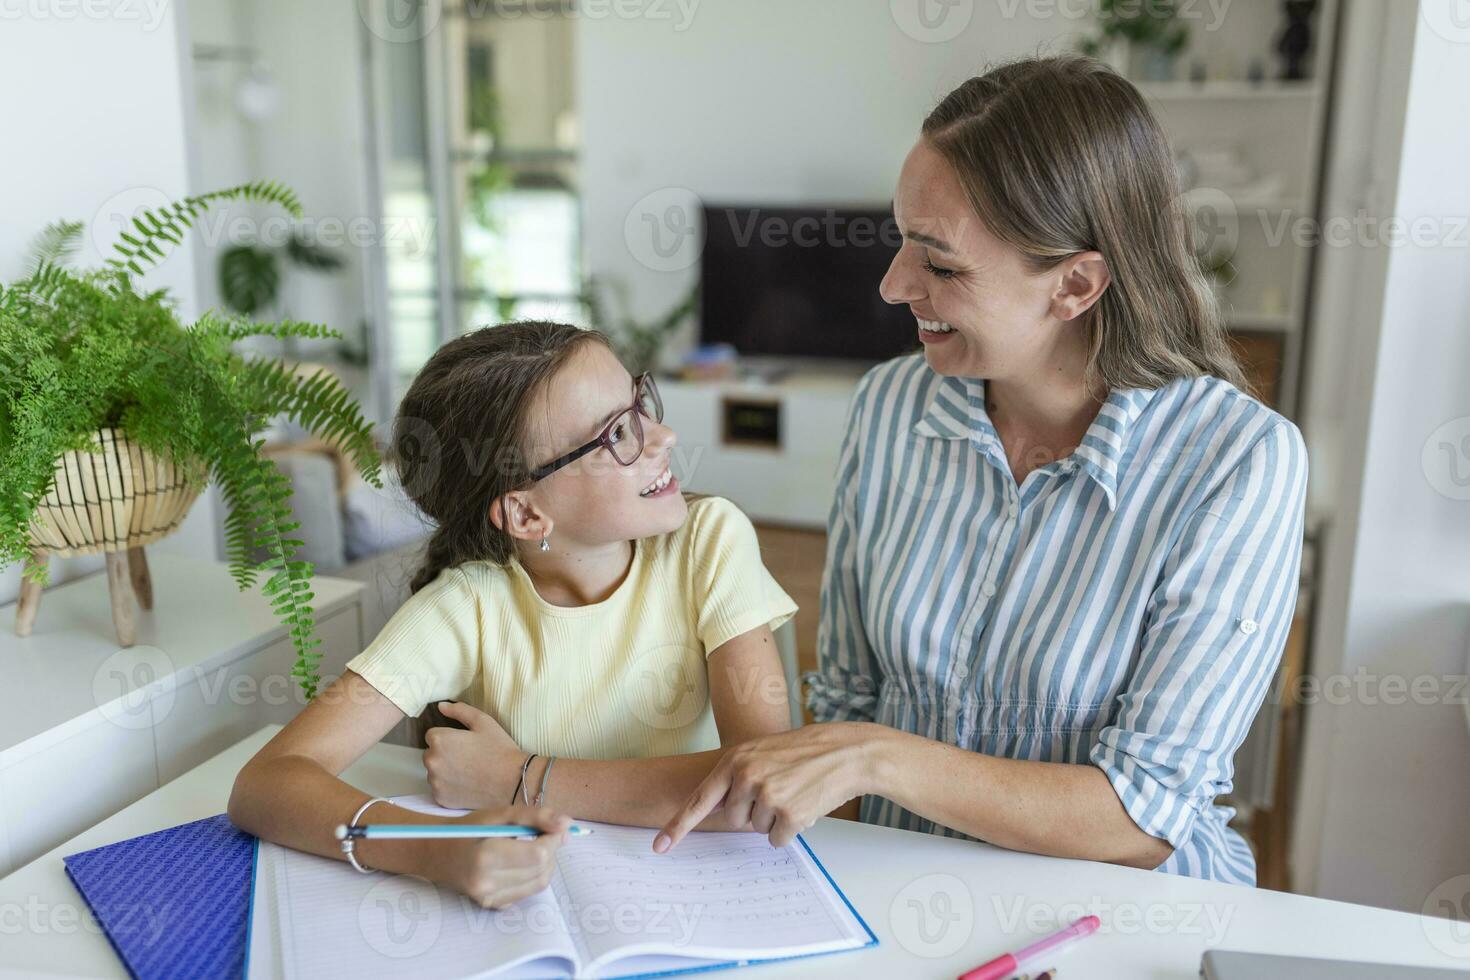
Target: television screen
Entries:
(801, 282)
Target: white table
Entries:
(939, 906)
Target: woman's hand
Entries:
(475, 767)
(780, 784)
(495, 872)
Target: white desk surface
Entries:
(977, 901)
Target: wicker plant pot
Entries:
(112, 500)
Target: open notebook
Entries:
(613, 909)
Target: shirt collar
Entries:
(956, 410)
(948, 413)
(1105, 443)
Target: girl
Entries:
(610, 640)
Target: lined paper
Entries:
(714, 895)
(613, 908)
(334, 921)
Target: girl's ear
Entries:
(516, 515)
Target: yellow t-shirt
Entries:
(621, 678)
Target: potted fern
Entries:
(99, 377)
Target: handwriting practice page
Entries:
(613, 908)
(720, 896)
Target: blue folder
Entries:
(174, 903)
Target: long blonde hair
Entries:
(1062, 155)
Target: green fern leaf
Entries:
(53, 245)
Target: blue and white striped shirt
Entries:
(1125, 606)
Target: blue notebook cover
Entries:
(174, 903)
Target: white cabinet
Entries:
(57, 793)
(87, 727)
(770, 447)
(217, 708)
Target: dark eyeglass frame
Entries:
(643, 384)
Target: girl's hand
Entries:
(780, 784)
(475, 767)
(495, 872)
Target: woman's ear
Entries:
(517, 515)
(1084, 276)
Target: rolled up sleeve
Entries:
(845, 685)
(1214, 630)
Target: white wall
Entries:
(768, 101)
(315, 142)
(761, 101)
(94, 110)
(1385, 798)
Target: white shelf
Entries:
(1229, 89)
(1200, 197)
(70, 672)
(839, 379)
(1263, 322)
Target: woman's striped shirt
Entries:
(1124, 607)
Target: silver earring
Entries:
(544, 545)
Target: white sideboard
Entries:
(87, 727)
(770, 447)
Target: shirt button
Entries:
(987, 590)
(1012, 510)
(1247, 626)
(960, 670)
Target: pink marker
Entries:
(1005, 966)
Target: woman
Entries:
(1063, 553)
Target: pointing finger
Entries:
(700, 804)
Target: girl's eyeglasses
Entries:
(623, 436)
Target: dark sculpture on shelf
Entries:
(1296, 39)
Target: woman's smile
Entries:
(934, 331)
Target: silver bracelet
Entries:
(541, 793)
(525, 787)
(348, 842)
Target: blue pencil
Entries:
(412, 831)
